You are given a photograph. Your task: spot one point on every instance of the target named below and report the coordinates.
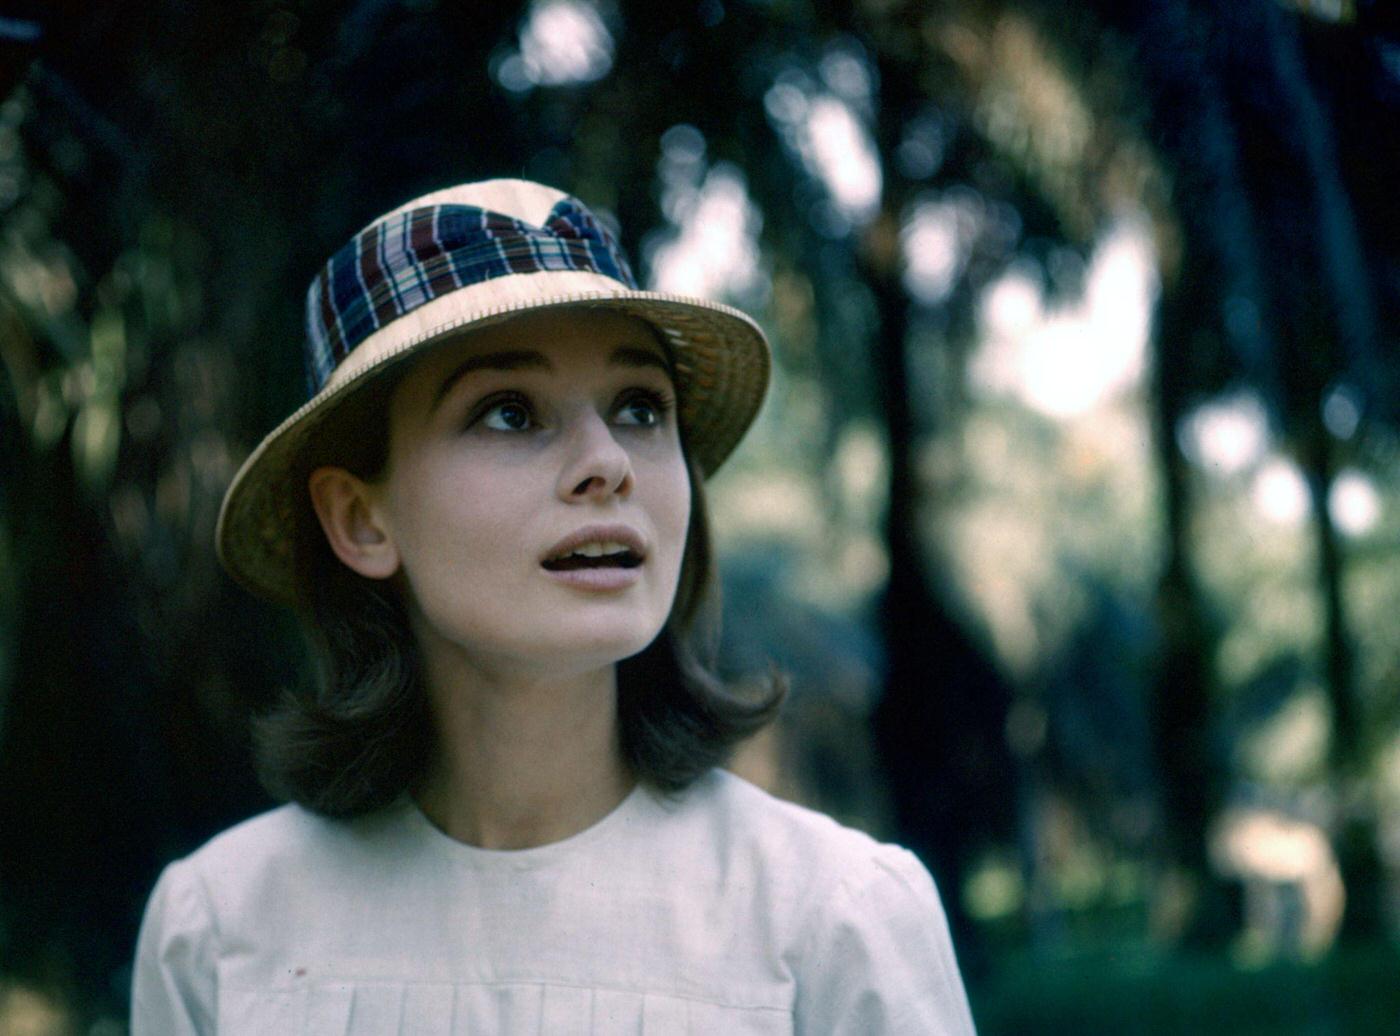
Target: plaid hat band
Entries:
(398, 264)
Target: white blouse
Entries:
(722, 910)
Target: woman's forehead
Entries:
(541, 340)
(556, 333)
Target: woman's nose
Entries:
(597, 465)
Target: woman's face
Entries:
(536, 492)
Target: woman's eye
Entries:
(644, 410)
(507, 416)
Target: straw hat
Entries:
(449, 262)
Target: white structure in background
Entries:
(713, 251)
(825, 124)
(837, 148)
(1227, 436)
(1293, 892)
(1354, 503)
(1066, 360)
(561, 42)
(1280, 493)
(937, 238)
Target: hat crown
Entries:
(522, 199)
(459, 237)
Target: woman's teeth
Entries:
(596, 555)
(598, 550)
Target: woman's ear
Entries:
(346, 508)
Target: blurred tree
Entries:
(1274, 266)
(942, 718)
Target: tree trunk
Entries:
(1345, 340)
(1191, 783)
(1355, 838)
(939, 725)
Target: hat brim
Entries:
(722, 368)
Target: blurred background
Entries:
(1073, 513)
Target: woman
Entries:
(506, 814)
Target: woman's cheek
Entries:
(677, 518)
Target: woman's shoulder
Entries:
(736, 800)
(288, 844)
(861, 921)
(753, 823)
(288, 830)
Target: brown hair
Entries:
(360, 733)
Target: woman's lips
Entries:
(597, 557)
(596, 579)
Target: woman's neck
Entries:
(521, 761)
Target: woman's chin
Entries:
(562, 649)
(590, 648)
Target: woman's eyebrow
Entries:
(505, 360)
(526, 359)
(636, 356)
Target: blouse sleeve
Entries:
(880, 960)
(173, 983)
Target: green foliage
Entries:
(1141, 991)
